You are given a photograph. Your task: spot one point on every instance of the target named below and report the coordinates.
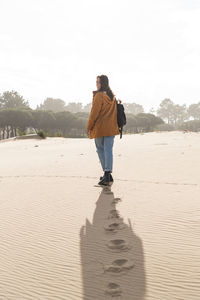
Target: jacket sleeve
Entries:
(95, 110)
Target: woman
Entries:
(102, 126)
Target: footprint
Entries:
(117, 224)
(107, 190)
(116, 200)
(114, 213)
(120, 265)
(113, 290)
(118, 245)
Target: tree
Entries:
(87, 107)
(52, 104)
(148, 121)
(133, 108)
(194, 111)
(43, 120)
(74, 107)
(12, 119)
(165, 110)
(179, 114)
(13, 100)
(64, 121)
(174, 113)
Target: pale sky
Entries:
(150, 50)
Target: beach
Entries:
(64, 238)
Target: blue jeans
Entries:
(104, 149)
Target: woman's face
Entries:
(98, 83)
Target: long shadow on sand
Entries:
(111, 255)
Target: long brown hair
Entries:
(104, 86)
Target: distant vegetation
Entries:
(54, 118)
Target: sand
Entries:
(63, 238)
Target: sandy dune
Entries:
(62, 238)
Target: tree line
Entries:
(56, 118)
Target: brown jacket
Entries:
(103, 116)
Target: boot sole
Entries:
(105, 184)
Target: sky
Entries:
(150, 50)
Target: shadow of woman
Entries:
(112, 259)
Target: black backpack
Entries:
(121, 117)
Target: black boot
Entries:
(106, 179)
(111, 178)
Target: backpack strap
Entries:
(120, 130)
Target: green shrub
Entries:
(21, 132)
(42, 134)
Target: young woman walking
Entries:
(102, 126)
